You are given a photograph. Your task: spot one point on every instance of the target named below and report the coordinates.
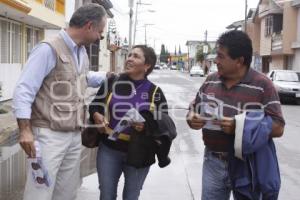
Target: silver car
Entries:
(287, 84)
(196, 71)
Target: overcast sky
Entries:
(176, 21)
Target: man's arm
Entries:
(39, 64)
(26, 137)
(94, 79)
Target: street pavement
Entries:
(181, 180)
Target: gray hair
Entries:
(86, 13)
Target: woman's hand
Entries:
(138, 126)
(100, 121)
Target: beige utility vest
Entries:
(59, 104)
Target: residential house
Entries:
(22, 25)
(296, 43)
(275, 32)
(193, 46)
(275, 24)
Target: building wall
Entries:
(289, 27)
(39, 11)
(17, 39)
(298, 25)
(104, 56)
(256, 37)
(296, 64)
(277, 62)
(20, 36)
(265, 42)
(9, 74)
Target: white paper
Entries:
(39, 172)
(131, 116)
(211, 109)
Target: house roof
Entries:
(278, 3)
(235, 25)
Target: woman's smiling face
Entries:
(135, 66)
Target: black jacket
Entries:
(156, 139)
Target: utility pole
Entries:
(130, 3)
(205, 35)
(136, 17)
(245, 22)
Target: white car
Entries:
(196, 71)
(163, 66)
(173, 67)
(287, 84)
(212, 69)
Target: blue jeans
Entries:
(215, 178)
(216, 184)
(110, 165)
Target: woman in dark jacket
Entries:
(115, 97)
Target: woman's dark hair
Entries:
(150, 56)
(238, 45)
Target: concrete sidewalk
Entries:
(181, 180)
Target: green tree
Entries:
(163, 54)
(200, 55)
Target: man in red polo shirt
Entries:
(234, 89)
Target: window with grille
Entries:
(16, 43)
(4, 41)
(268, 25)
(29, 40)
(10, 39)
(33, 37)
(93, 53)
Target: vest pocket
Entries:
(63, 116)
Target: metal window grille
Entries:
(50, 4)
(4, 41)
(16, 43)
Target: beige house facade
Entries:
(22, 26)
(275, 32)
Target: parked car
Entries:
(163, 66)
(173, 67)
(157, 67)
(196, 71)
(212, 69)
(287, 84)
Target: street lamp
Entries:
(136, 14)
(146, 31)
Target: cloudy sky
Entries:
(176, 21)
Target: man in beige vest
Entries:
(49, 104)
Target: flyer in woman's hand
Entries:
(131, 116)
